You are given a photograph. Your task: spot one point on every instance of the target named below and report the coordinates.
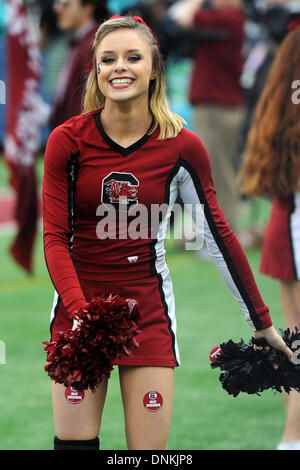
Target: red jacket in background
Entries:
(70, 104)
(218, 63)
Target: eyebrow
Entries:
(129, 50)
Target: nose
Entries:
(120, 65)
(57, 7)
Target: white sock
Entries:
(293, 445)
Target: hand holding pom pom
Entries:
(258, 366)
(103, 330)
(275, 340)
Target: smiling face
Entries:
(125, 59)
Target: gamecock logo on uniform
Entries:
(120, 190)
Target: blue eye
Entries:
(134, 58)
(107, 60)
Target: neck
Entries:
(84, 24)
(235, 4)
(125, 123)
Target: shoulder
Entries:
(231, 15)
(84, 51)
(229, 18)
(73, 129)
(70, 138)
(193, 155)
(89, 37)
(86, 42)
(234, 20)
(189, 144)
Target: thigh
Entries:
(290, 302)
(77, 421)
(296, 297)
(147, 427)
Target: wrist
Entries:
(264, 331)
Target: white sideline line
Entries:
(11, 228)
(8, 228)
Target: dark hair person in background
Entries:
(81, 18)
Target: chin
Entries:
(127, 97)
(63, 25)
(120, 99)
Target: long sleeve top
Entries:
(106, 209)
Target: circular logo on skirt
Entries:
(74, 396)
(214, 353)
(153, 401)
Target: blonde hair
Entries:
(170, 124)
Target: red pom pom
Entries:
(81, 358)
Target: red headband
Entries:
(139, 20)
(293, 24)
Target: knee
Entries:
(142, 445)
(77, 434)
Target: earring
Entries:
(98, 68)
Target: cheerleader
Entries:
(128, 149)
(272, 169)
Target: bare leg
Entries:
(80, 421)
(146, 429)
(290, 300)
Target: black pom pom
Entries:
(255, 367)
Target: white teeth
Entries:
(121, 81)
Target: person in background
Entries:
(268, 29)
(53, 44)
(272, 169)
(80, 18)
(216, 93)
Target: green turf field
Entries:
(204, 416)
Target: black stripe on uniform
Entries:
(166, 310)
(72, 170)
(55, 314)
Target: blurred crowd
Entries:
(217, 55)
(264, 28)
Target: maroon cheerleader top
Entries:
(281, 247)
